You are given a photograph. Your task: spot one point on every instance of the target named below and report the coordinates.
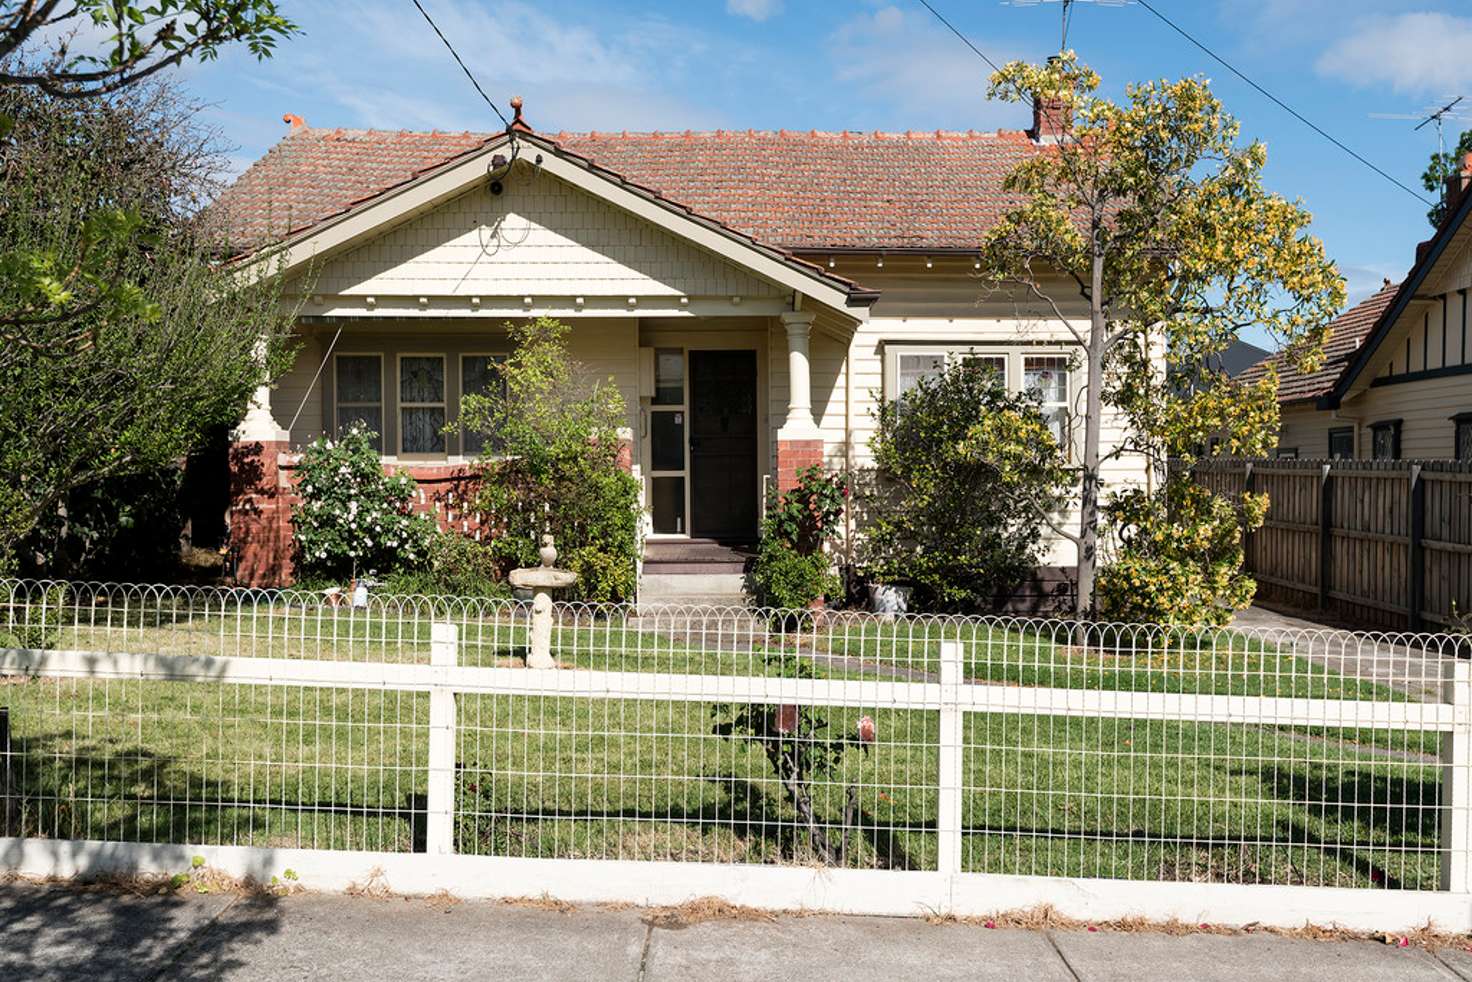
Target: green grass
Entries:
(563, 777)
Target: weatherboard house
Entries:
(1396, 380)
(752, 294)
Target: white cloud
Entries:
(374, 65)
(1422, 53)
(755, 9)
(921, 75)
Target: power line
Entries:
(1279, 102)
(456, 56)
(964, 39)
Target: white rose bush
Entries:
(354, 518)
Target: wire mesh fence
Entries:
(722, 735)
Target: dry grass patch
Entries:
(703, 909)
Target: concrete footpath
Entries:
(52, 933)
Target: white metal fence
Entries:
(781, 757)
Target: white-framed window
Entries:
(479, 376)
(358, 393)
(1045, 378)
(1044, 372)
(422, 410)
(906, 365)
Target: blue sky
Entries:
(857, 64)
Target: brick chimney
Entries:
(1458, 183)
(1052, 117)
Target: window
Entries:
(1385, 440)
(1463, 440)
(1287, 453)
(421, 404)
(912, 368)
(479, 377)
(358, 384)
(1341, 443)
(906, 366)
(1045, 378)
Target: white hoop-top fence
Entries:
(778, 758)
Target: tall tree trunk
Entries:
(1088, 532)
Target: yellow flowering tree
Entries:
(1150, 213)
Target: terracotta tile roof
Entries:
(1346, 334)
(805, 191)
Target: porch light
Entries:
(370, 302)
(578, 302)
(735, 301)
(929, 263)
(633, 301)
(879, 263)
(684, 301)
(526, 301)
(475, 303)
(832, 262)
(423, 301)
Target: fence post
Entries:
(952, 735)
(1456, 782)
(6, 804)
(1326, 534)
(1416, 558)
(439, 831)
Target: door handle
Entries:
(694, 443)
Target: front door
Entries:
(723, 445)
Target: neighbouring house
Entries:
(1396, 382)
(751, 293)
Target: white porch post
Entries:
(259, 426)
(799, 424)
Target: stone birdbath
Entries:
(542, 580)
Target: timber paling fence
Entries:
(1380, 543)
(830, 761)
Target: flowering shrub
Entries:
(808, 516)
(1178, 555)
(791, 568)
(354, 518)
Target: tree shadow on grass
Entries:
(58, 788)
(747, 812)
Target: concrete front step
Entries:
(709, 589)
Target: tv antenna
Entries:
(1066, 12)
(1431, 116)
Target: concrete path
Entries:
(56, 934)
(1414, 671)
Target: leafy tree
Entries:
(137, 40)
(1150, 213)
(555, 464)
(117, 354)
(1441, 166)
(965, 473)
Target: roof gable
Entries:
(421, 193)
(1453, 236)
(538, 236)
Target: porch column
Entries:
(799, 442)
(260, 497)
